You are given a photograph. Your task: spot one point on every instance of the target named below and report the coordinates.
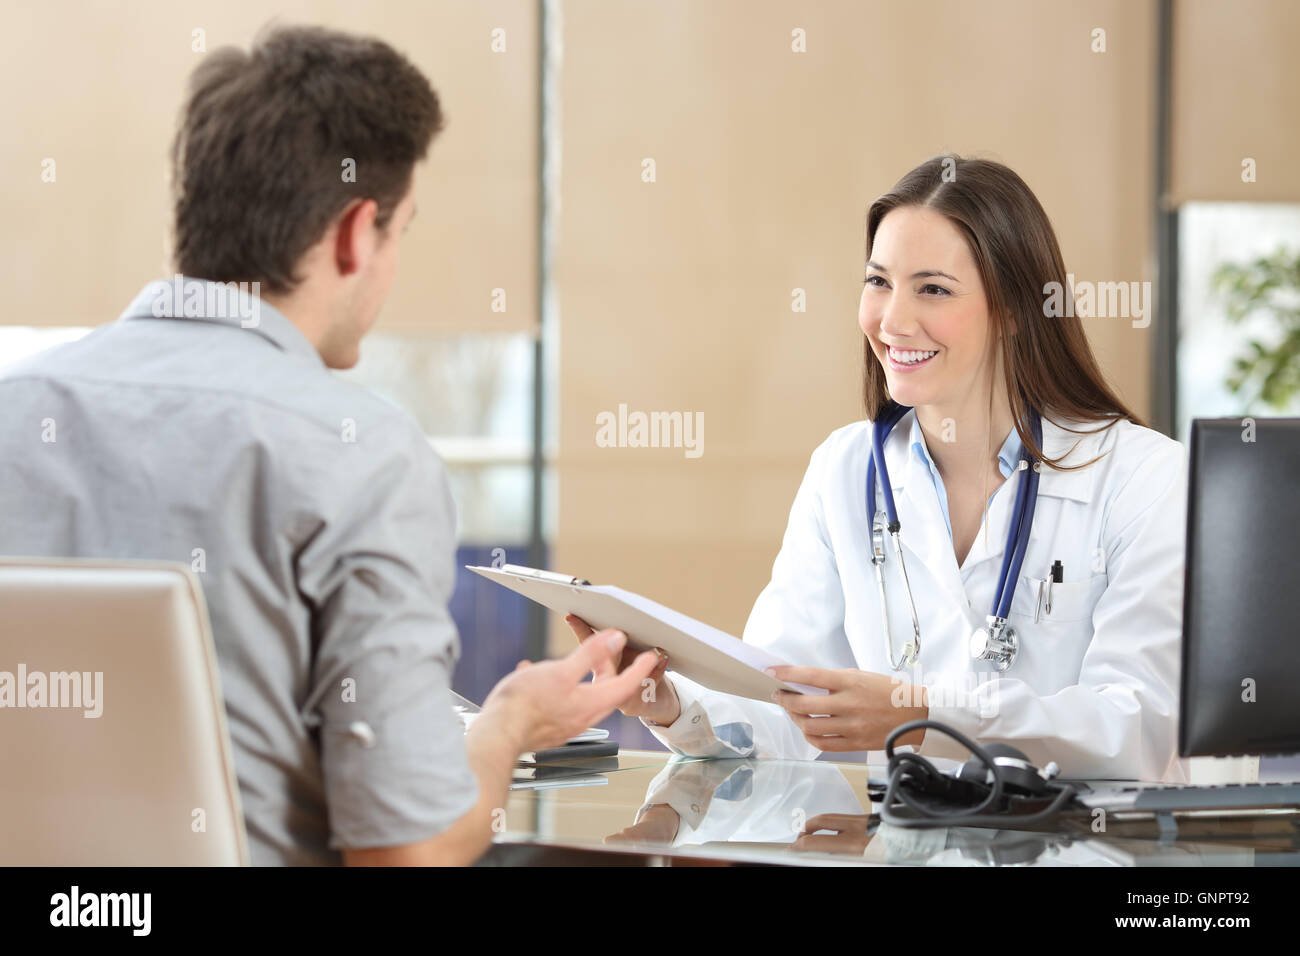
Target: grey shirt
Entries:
(322, 528)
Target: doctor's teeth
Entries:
(910, 356)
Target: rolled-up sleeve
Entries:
(378, 576)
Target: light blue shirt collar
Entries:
(230, 304)
(1008, 456)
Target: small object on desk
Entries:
(575, 769)
(589, 735)
(552, 783)
(467, 710)
(571, 751)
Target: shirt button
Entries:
(695, 808)
(695, 719)
(362, 731)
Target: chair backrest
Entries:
(113, 736)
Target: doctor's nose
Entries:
(895, 320)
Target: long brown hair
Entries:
(1048, 363)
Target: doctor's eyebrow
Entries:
(923, 274)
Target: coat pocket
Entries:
(1071, 600)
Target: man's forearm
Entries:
(492, 749)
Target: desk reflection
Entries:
(817, 812)
(698, 802)
(811, 807)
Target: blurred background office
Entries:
(659, 207)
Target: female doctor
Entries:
(963, 339)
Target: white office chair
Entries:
(150, 780)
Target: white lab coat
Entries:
(1095, 684)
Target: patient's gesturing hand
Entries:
(655, 698)
(546, 703)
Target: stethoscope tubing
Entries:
(1022, 522)
(877, 462)
(1022, 510)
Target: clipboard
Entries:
(695, 650)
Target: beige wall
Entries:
(676, 295)
(1235, 95)
(97, 87)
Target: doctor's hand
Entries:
(858, 713)
(847, 834)
(658, 824)
(654, 697)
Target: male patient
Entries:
(204, 427)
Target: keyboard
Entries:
(1176, 797)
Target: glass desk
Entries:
(661, 809)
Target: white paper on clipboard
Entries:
(695, 650)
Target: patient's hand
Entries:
(544, 704)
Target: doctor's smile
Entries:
(992, 455)
(909, 360)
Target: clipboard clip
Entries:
(550, 576)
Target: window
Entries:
(1211, 234)
(472, 394)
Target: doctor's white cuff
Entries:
(692, 733)
(688, 789)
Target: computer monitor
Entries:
(1241, 600)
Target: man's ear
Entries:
(354, 240)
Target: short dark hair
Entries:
(265, 138)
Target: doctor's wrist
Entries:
(669, 710)
(918, 712)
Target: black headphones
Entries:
(997, 786)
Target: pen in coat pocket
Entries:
(1057, 576)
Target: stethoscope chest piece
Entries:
(996, 642)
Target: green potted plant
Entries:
(1267, 374)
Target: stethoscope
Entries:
(996, 641)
